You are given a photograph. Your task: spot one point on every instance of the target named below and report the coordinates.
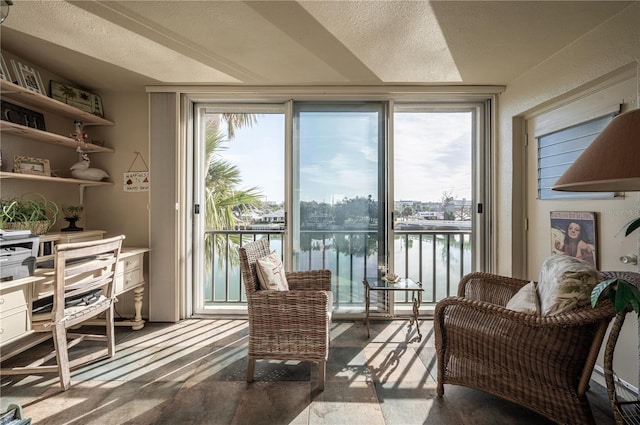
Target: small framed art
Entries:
(23, 116)
(28, 77)
(574, 233)
(28, 165)
(4, 70)
(78, 98)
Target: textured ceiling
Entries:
(125, 45)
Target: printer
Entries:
(18, 252)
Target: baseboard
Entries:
(631, 388)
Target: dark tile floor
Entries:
(193, 372)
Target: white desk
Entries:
(17, 295)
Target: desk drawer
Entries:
(129, 263)
(13, 324)
(13, 297)
(127, 280)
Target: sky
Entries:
(339, 156)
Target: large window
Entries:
(344, 185)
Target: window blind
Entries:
(559, 149)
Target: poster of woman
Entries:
(574, 233)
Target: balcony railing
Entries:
(436, 258)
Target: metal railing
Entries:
(436, 258)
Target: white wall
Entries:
(600, 55)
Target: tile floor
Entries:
(193, 372)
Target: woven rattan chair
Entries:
(541, 362)
(287, 325)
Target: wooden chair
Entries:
(287, 325)
(541, 362)
(79, 269)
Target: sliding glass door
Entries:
(433, 187)
(338, 194)
(345, 186)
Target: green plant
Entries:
(72, 211)
(620, 292)
(20, 213)
(632, 225)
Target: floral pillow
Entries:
(271, 273)
(565, 283)
(525, 300)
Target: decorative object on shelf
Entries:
(4, 9)
(28, 77)
(32, 211)
(573, 233)
(81, 170)
(72, 215)
(23, 116)
(28, 165)
(387, 275)
(77, 98)
(4, 69)
(136, 181)
(79, 136)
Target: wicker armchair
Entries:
(287, 325)
(541, 362)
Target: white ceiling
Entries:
(125, 45)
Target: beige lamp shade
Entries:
(611, 163)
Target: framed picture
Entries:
(76, 97)
(23, 116)
(97, 106)
(28, 77)
(574, 233)
(27, 165)
(4, 70)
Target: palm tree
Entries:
(223, 202)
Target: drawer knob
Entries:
(1, 300)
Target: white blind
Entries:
(558, 150)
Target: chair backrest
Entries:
(82, 267)
(249, 255)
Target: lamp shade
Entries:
(611, 163)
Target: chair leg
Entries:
(250, 368)
(110, 331)
(322, 371)
(62, 355)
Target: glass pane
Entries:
(432, 187)
(337, 186)
(243, 196)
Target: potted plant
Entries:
(31, 212)
(72, 214)
(621, 293)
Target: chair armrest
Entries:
(282, 309)
(318, 280)
(489, 287)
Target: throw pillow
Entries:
(565, 283)
(525, 300)
(271, 273)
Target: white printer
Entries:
(18, 252)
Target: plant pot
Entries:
(36, 227)
(72, 225)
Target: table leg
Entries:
(138, 295)
(417, 300)
(366, 307)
